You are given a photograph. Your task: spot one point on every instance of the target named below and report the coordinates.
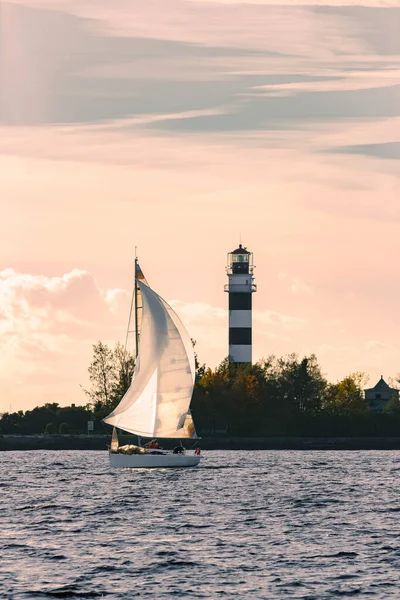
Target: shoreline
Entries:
(101, 442)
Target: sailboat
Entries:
(157, 403)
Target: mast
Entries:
(134, 307)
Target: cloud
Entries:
(318, 3)
(386, 150)
(135, 60)
(32, 303)
(47, 326)
(342, 81)
(116, 299)
(296, 284)
(284, 322)
(208, 325)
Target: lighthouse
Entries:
(240, 288)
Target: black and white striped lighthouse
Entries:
(240, 289)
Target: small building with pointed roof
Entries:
(378, 396)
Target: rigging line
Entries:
(136, 309)
(128, 330)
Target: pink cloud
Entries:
(47, 326)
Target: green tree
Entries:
(308, 386)
(124, 364)
(346, 397)
(110, 374)
(35, 420)
(297, 385)
(50, 429)
(209, 400)
(102, 375)
(12, 422)
(75, 417)
(243, 401)
(392, 407)
(63, 429)
(200, 368)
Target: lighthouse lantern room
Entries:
(240, 287)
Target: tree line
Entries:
(286, 396)
(277, 396)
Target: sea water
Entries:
(262, 524)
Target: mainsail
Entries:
(188, 429)
(135, 315)
(157, 403)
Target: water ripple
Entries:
(263, 525)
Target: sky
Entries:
(182, 127)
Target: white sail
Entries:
(135, 315)
(185, 337)
(158, 400)
(139, 309)
(114, 441)
(188, 429)
(186, 425)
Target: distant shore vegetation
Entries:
(277, 396)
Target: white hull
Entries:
(148, 461)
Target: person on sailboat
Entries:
(197, 451)
(178, 450)
(154, 445)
